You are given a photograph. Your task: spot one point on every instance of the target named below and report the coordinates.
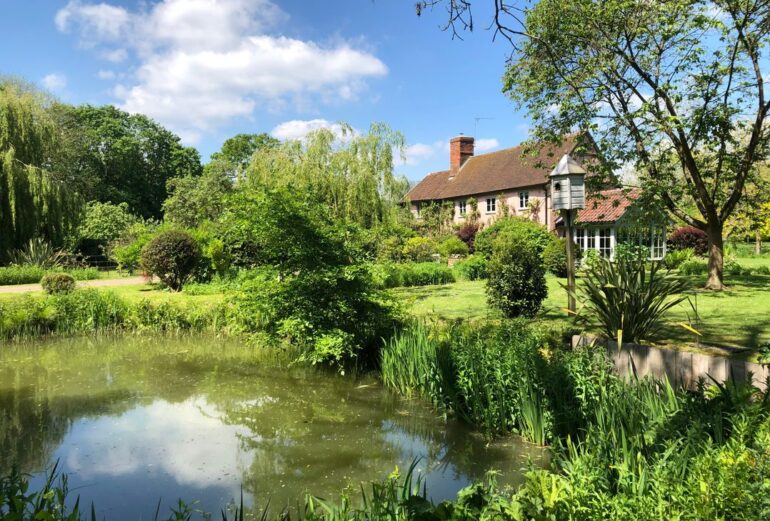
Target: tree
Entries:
(752, 211)
(675, 87)
(237, 151)
(34, 201)
(193, 200)
(105, 222)
(119, 157)
(352, 175)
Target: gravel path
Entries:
(97, 283)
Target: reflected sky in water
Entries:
(136, 420)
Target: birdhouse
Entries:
(568, 188)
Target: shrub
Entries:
(473, 267)
(419, 249)
(172, 256)
(555, 257)
(693, 267)
(452, 246)
(631, 252)
(625, 296)
(25, 274)
(467, 233)
(38, 252)
(675, 258)
(516, 284)
(105, 221)
(689, 237)
(127, 250)
(57, 283)
(514, 229)
(411, 274)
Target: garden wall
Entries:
(680, 367)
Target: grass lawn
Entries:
(738, 317)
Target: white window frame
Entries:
(523, 200)
(462, 208)
(491, 205)
(608, 235)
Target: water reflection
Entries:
(133, 420)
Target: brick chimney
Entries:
(460, 149)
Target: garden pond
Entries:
(137, 420)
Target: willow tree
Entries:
(676, 88)
(351, 173)
(33, 201)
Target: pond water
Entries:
(137, 420)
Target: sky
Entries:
(209, 69)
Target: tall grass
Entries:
(412, 274)
(28, 274)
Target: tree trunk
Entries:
(758, 243)
(716, 258)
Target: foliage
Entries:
(105, 221)
(627, 299)
(127, 250)
(57, 283)
(334, 315)
(172, 256)
(193, 200)
(117, 157)
(26, 274)
(467, 233)
(452, 245)
(689, 237)
(396, 275)
(514, 229)
(237, 152)
(631, 252)
(516, 277)
(675, 258)
(35, 201)
(419, 249)
(555, 257)
(693, 267)
(38, 252)
(473, 267)
(351, 175)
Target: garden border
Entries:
(680, 367)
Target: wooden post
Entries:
(571, 304)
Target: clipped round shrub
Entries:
(57, 283)
(516, 284)
(689, 237)
(452, 246)
(419, 249)
(555, 257)
(172, 256)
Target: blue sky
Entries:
(209, 69)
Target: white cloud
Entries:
(54, 81)
(298, 129)
(106, 74)
(486, 144)
(417, 153)
(203, 63)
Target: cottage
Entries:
(514, 181)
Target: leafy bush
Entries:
(675, 258)
(625, 296)
(514, 229)
(516, 282)
(127, 250)
(333, 316)
(467, 233)
(689, 237)
(419, 249)
(411, 274)
(555, 257)
(474, 267)
(57, 283)
(452, 246)
(105, 221)
(693, 267)
(172, 256)
(631, 252)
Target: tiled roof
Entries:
(607, 206)
(497, 171)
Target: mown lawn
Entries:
(738, 317)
